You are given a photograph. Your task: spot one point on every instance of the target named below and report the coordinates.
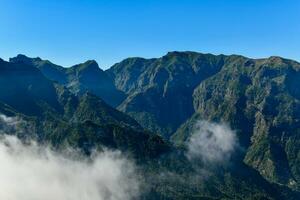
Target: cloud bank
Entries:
(211, 142)
(33, 172)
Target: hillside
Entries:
(58, 117)
(185, 97)
(259, 98)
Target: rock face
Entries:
(160, 90)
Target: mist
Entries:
(30, 171)
(9, 124)
(211, 143)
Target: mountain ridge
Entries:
(258, 98)
(75, 77)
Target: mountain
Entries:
(160, 90)
(78, 79)
(260, 99)
(58, 117)
(18, 90)
(257, 98)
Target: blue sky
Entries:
(71, 31)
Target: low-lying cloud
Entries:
(211, 142)
(29, 171)
(9, 120)
(8, 124)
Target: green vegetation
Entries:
(157, 103)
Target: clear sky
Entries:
(71, 31)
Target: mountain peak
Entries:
(91, 63)
(88, 65)
(275, 58)
(175, 53)
(21, 58)
(178, 53)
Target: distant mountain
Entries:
(79, 78)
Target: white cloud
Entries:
(9, 120)
(211, 142)
(8, 124)
(33, 172)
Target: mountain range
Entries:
(150, 108)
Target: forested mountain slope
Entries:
(174, 96)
